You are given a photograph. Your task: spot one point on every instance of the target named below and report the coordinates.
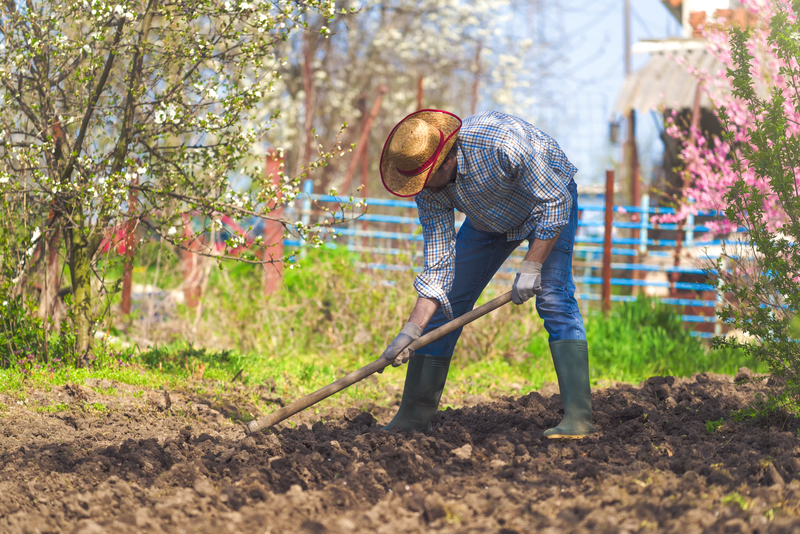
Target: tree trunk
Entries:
(80, 257)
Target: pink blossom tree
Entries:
(751, 177)
(709, 172)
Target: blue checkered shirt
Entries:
(512, 178)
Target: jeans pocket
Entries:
(566, 238)
(470, 234)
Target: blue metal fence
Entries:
(394, 232)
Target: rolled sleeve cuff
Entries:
(427, 290)
(546, 233)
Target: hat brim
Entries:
(407, 186)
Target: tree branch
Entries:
(87, 117)
(135, 81)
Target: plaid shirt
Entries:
(512, 178)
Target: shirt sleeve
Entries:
(438, 231)
(541, 172)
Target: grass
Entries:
(330, 319)
(54, 408)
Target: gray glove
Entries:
(527, 283)
(398, 350)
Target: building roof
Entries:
(666, 79)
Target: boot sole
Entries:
(565, 436)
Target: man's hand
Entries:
(527, 283)
(398, 350)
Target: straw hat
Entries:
(415, 149)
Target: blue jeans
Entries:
(478, 257)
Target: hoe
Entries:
(376, 366)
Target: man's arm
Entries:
(540, 249)
(423, 311)
(433, 283)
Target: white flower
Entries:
(29, 252)
(141, 170)
(171, 112)
(795, 36)
(118, 10)
(172, 230)
(3, 178)
(36, 234)
(87, 49)
(244, 5)
(160, 116)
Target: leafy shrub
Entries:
(26, 340)
(764, 282)
(29, 343)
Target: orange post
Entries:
(361, 146)
(609, 220)
(191, 264)
(273, 231)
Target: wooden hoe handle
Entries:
(350, 379)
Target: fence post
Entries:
(273, 231)
(191, 264)
(644, 223)
(722, 265)
(609, 220)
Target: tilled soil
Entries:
(175, 463)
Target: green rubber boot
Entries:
(571, 360)
(425, 380)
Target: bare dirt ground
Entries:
(146, 463)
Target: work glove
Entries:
(527, 283)
(398, 350)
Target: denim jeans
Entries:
(478, 257)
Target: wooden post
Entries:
(675, 275)
(364, 189)
(609, 220)
(129, 241)
(634, 182)
(191, 265)
(273, 231)
(309, 50)
(361, 146)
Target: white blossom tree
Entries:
(106, 101)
